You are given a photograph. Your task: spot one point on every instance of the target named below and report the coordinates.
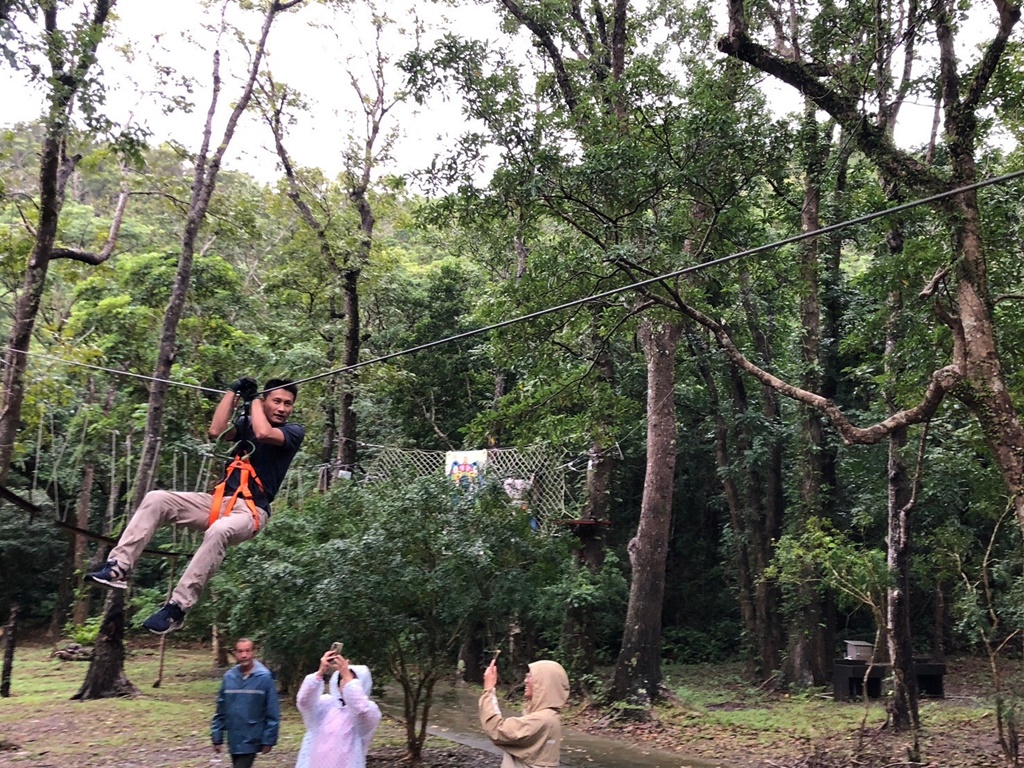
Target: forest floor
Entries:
(714, 718)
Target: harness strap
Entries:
(246, 471)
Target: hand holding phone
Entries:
(491, 673)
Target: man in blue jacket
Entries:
(247, 709)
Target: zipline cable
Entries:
(116, 371)
(677, 273)
(585, 299)
(8, 495)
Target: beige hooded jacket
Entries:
(533, 740)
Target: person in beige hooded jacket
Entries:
(535, 739)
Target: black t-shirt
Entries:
(269, 461)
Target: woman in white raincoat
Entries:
(339, 724)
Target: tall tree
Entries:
(204, 181)
(344, 252)
(71, 58)
(958, 289)
(638, 668)
(624, 177)
(106, 676)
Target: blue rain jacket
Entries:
(247, 709)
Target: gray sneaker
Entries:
(110, 575)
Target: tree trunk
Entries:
(471, 655)
(765, 501)
(12, 643)
(579, 633)
(204, 182)
(903, 705)
(106, 678)
(62, 602)
(810, 655)
(219, 648)
(417, 700)
(55, 168)
(939, 624)
(902, 708)
(741, 557)
(347, 432)
(81, 612)
(763, 507)
(638, 668)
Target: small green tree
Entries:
(399, 572)
(855, 573)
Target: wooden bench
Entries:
(848, 678)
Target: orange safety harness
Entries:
(246, 471)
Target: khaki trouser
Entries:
(191, 510)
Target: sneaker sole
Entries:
(174, 625)
(108, 583)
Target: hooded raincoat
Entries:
(535, 739)
(339, 724)
(247, 710)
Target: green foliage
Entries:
(673, 160)
(600, 594)
(856, 575)
(31, 556)
(428, 398)
(399, 572)
(84, 634)
(699, 645)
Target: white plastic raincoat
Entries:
(339, 724)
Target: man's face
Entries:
(528, 693)
(244, 655)
(278, 405)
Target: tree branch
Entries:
(1009, 15)
(871, 138)
(943, 381)
(87, 257)
(547, 42)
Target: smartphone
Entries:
(338, 647)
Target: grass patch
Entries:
(165, 726)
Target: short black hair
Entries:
(285, 384)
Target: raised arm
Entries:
(221, 424)
(265, 431)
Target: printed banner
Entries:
(465, 467)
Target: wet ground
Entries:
(454, 717)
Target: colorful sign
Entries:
(465, 467)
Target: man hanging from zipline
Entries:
(236, 511)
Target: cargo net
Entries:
(532, 477)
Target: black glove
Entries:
(246, 387)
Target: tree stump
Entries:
(106, 678)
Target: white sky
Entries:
(303, 53)
(312, 59)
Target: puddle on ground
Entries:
(454, 717)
